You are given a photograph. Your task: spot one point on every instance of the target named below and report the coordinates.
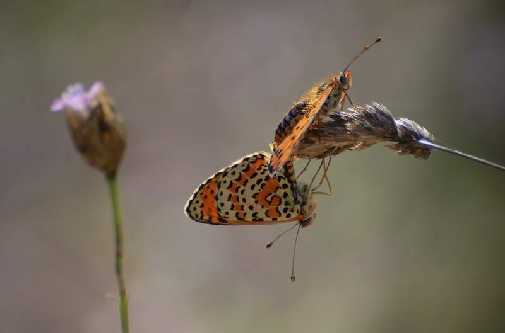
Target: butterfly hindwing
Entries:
(246, 193)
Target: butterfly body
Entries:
(304, 107)
(320, 100)
(245, 193)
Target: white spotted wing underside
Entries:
(248, 192)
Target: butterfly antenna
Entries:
(293, 278)
(282, 234)
(366, 48)
(459, 153)
(317, 172)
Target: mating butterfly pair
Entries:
(262, 189)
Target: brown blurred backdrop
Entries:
(402, 246)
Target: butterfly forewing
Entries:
(201, 206)
(284, 150)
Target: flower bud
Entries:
(97, 130)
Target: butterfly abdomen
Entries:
(290, 120)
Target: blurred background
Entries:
(403, 245)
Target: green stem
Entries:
(118, 227)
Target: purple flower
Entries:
(77, 99)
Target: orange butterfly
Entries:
(320, 100)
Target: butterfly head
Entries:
(345, 80)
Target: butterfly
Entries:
(245, 193)
(318, 102)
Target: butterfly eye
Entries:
(343, 79)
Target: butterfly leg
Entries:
(317, 172)
(322, 178)
(344, 96)
(325, 177)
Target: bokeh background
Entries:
(403, 245)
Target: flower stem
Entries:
(118, 227)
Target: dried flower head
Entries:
(361, 127)
(97, 130)
(409, 135)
